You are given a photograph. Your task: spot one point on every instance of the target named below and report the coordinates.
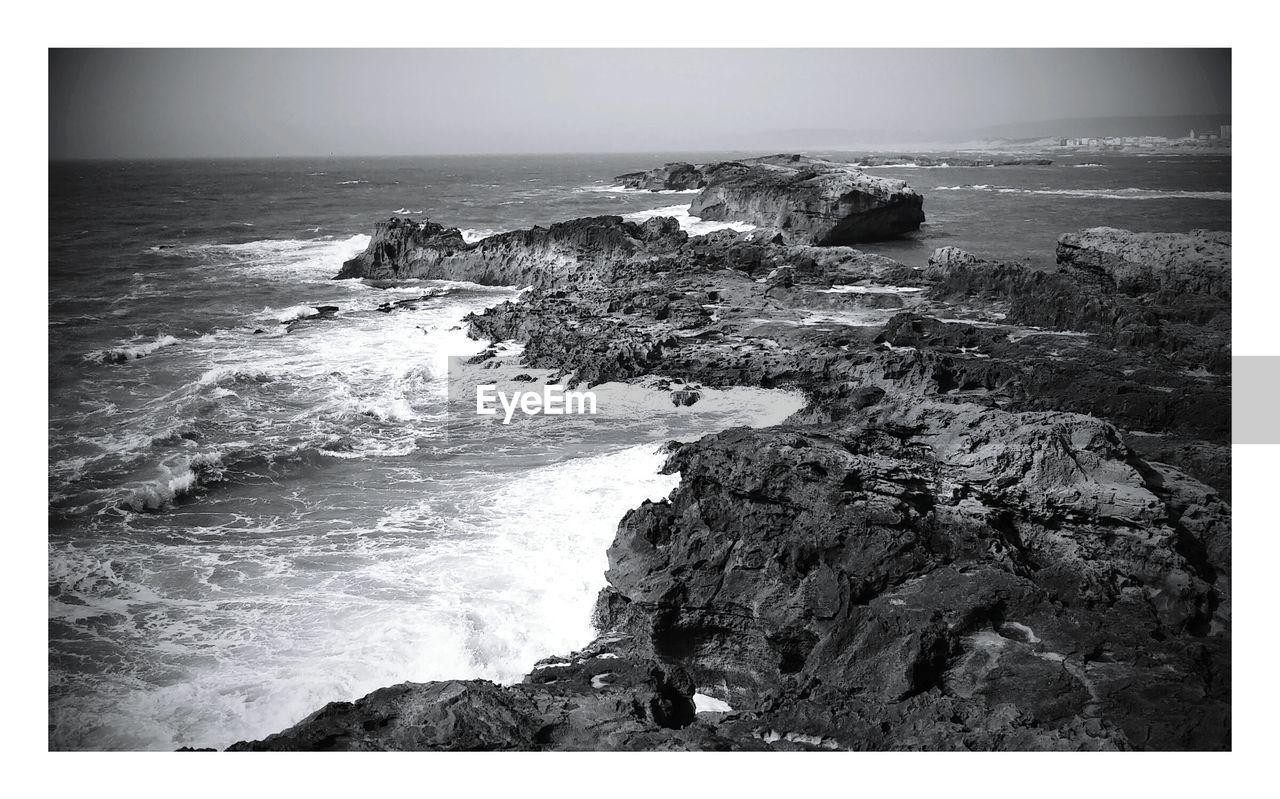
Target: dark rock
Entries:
(685, 397)
(810, 201)
(582, 249)
(1148, 263)
(677, 176)
(954, 546)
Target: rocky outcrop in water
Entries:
(565, 252)
(810, 201)
(932, 555)
(807, 200)
(932, 577)
(971, 537)
(676, 176)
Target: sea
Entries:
(256, 504)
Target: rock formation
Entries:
(1143, 263)
(809, 200)
(970, 538)
(562, 253)
(676, 176)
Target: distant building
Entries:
(1193, 136)
(1224, 131)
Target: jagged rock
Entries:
(685, 397)
(933, 555)
(1145, 263)
(1165, 301)
(944, 259)
(956, 545)
(676, 176)
(810, 201)
(564, 253)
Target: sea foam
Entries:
(1102, 194)
(693, 225)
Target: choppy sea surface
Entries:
(253, 506)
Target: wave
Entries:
(907, 166)
(407, 211)
(693, 225)
(232, 375)
(293, 314)
(200, 469)
(472, 235)
(317, 259)
(1104, 194)
(266, 248)
(351, 182)
(629, 190)
(131, 350)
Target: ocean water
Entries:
(255, 508)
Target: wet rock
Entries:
(685, 397)
(981, 532)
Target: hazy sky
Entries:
(161, 103)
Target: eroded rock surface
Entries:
(676, 176)
(563, 253)
(1141, 263)
(809, 200)
(965, 541)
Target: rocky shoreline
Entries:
(1000, 523)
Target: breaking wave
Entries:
(1104, 194)
(628, 190)
(131, 350)
(472, 235)
(293, 314)
(693, 225)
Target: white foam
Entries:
(904, 166)
(693, 225)
(1105, 194)
(709, 704)
(312, 260)
(472, 235)
(618, 189)
(178, 479)
(871, 290)
(131, 350)
(292, 314)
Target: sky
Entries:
(262, 103)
